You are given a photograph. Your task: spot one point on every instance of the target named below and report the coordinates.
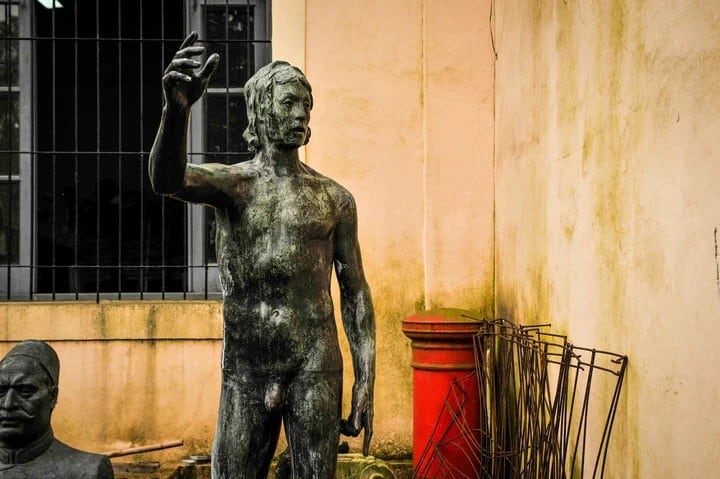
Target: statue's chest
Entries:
(287, 208)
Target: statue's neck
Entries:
(283, 162)
(20, 454)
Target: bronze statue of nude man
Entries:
(281, 227)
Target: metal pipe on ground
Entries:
(141, 449)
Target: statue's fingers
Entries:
(189, 40)
(190, 52)
(185, 54)
(184, 65)
(176, 76)
(356, 419)
(367, 426)
(210, 66)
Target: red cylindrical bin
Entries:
(446, 401)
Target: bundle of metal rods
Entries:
(545, 409)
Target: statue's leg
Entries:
(312, 423)
(247, 433)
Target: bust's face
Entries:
(26, 401)
(289, 115)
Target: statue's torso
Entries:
(275, 248)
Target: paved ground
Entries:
(402, 469)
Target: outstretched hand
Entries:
(185, 78)
(361, 415)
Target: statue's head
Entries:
(28, 392)
(279, 100)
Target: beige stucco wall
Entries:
(131, 372)
(607, 121)
(403, 119)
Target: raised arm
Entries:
(184, 83)
(358, 319)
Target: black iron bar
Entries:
(120, 163)
(142, 161)
(8, 117)
(162, 198)
(111, 267)
(99, 152)
(135, 40)
(54, 158)
(76, 175)
(97, 146)
(611, 419)
(600, 351)
(204, 211)
(33, 159)
(186, 270)
(251, 46)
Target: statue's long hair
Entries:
(258, 96)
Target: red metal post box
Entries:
(446, 401)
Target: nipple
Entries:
(274, 397)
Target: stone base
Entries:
(349, 466)
(352, 466)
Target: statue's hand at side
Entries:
(361, 414)
(185, 78)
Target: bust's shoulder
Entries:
(60, 461)
(79, 464)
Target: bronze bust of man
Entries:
(28, 394)
(281, 228)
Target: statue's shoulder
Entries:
(241, 168)
(335, 189)
(248, 166)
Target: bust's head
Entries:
(28, 392)
(279, 100)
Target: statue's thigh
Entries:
(312, 423)
(246, 434)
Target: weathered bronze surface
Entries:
(28, 393)
(281, 227)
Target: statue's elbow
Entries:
(165, 186)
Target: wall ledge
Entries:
(111, 320)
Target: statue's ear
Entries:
(53, 396)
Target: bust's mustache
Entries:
(15, 415)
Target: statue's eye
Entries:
(26, 390)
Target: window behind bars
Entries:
(80, 101)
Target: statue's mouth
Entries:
(8, 422)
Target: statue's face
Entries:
(289, 115)
(26, 401)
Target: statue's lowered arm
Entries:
(358, 319)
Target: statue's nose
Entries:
(9, 400)
(300, 112)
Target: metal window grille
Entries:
(80, 101)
